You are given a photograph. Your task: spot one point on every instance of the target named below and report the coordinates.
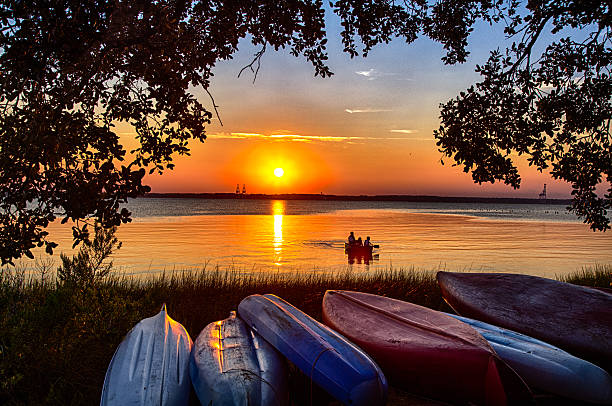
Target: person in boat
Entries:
(359, 242)
(367, 242)
(351, 238)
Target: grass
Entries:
(597, 276)
(59, 330)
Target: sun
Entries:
(278, 172)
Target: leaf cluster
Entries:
(554, 108)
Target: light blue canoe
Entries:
(330, 360)
(546, 367)
(232, 365)
(150, 366)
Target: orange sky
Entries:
(366, 130)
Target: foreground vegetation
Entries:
(59, 329)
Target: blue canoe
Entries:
(150, 366)
(232, 365)
(546, 367)
(331, 361)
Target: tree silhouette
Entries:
(72, 70)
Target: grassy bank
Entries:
(58, 334)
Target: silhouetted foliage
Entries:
(554, 108)
(92, 263)
(72, 71)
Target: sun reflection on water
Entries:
(278, 209)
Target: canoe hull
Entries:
(150, 366)
(424, 351)
(546, 367)
(574, 318)
(332, 362)
(231, 365)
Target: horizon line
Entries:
(319, 196)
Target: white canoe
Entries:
(232, 365)
(547, 367)
(150, 366)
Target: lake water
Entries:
(308, 236)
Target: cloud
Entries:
(310, 138)
(372, 74)
(404, 131)
(234, 135)
(281, 136)
(366, 110)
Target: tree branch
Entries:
(532, 42)
(214, 106)
(257, 59)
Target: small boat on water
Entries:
(357, 250)
(574, 318)
(232, 365)
(425, 351)
(327, 358)
(150, 366)
(546, 367)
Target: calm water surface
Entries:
(307, 236)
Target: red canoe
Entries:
(574, 318)
(424, 351)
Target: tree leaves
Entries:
(556, 108)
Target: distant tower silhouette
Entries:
(243, 189)
(543, 194)
(237, 188)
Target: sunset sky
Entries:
(366, 130)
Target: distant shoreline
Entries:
(379, 198)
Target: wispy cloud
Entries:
(367, 110)
(311, 138)
(277, 136)
(235, 135)
(404, 131)
(372, 74)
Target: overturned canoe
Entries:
(424, 351)
(232, 365)
(546, 367)
(574, 318)
(150, 366)
(331, 361)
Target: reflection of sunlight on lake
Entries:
(271, 236)
(278, 209)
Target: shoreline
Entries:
(379, 198)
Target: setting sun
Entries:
(278, 172)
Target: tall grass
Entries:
(597, 276)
